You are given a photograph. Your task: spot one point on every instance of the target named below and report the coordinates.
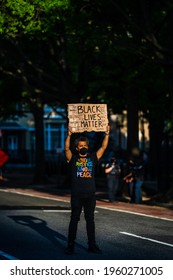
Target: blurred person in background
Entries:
(113, 172)
(135, 176)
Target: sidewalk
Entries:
(51, 191)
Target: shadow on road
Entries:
(41, 227)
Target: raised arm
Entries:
(68, 152)
(104, 145)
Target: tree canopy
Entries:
(114, 52)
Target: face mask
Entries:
(83, 151)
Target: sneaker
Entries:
(94, 249)
(70, 249)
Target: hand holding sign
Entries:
(87, 117)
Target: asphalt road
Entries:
(35, 228)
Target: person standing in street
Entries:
(135, 176)
(113, 172)
(82, 172)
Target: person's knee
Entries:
(75, 217)
(89, 217)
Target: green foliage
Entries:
(94, 50)
(60, 51)
(19, 17)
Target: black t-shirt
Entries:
(136, 167)
(82, 173)
(115, 171)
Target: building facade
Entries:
(17, 136)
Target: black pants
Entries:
(113, 185)
(86, 202)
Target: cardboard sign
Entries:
(87, 117)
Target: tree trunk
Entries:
(169, 135)
(39, 148)
(160, 160)
(154, 150)
(132, 120)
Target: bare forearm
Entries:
(103, 146)
(105, 142)
(67, 143)
(68, 152)
(108, 170)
